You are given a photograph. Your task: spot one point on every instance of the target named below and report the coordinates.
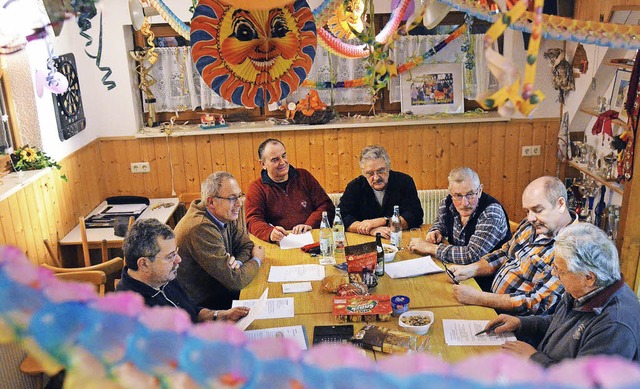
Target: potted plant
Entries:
(30, 158)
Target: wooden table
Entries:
(429, 292)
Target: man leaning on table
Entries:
(218, 258)
(284, 198)
(152, 262)
(367, 203)
(523, 282)
(598, 313)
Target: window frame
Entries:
(6, 101)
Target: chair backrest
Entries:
(94, 277)
(104, 250)
(111, 268)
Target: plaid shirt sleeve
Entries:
(490, 229)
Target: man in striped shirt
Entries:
(523, 282)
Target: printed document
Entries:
(463, 333)
(255, 312)
(296, 333)
(296, 273)
(297, 287)
(127, 208)
(412, 267)
(295, 241)
(276, 308)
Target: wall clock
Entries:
(68, 105)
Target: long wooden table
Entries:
(432, 292)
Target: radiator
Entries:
(429, 199)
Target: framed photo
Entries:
(620, 90)
(434, 88)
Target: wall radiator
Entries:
(429, 199)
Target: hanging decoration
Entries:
(580, 61)
(146, 80)
(348, 17)
(632, 107)
(562, 71)
(256, 5)
(253, 58)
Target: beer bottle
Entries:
(396, 227)
(326, 241)
(380, 255)
(338, 232)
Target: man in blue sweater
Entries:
(598, 314)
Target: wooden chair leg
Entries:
(105, 250)
(85, 242)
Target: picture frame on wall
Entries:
(620, 90)
(433, 88)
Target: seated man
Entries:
(598, 314)
(283, 198)
(152, 262)
(473, 222)
(218, 258)
(523, 283)
(367, 202)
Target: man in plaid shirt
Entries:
(523, 282)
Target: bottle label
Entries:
(324, 246)
(338, 239)
(396, 238)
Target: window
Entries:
(7, 126)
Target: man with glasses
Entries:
(284, 198)
(598, 314)
(218, 258)
(367, 202)
(473, 222)
(523, 282)
(152, 262)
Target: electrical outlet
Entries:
(530, 151)
(526, 151)
(140, 167)
(535, 150)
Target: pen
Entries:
(450, 273)
(492, 328)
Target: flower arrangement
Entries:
(30, 158)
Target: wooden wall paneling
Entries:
(496, 178)
(6, 225)
(399, 149)
(28, 213)
(358, 142)
(108, 168)
(218, 159)
(18, 225)
(443, 157)
(232, 154)
(511, 153)
(415, 153)
(53, 215)
(38, 217)
(320, 155)
(428, 157)
(457, 150)
(550, 148)
(191, 171)
(163, 166)
(485, 149)
(288, 138)
(469, 152)
(539, 135)
(330, 150)
(178, 164)
(204, 166)
(247, 160)
(151, 179)
(303, 159)
(346, 160)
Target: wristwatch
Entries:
(215, 315)
(386, 220)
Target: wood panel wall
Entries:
(49, 207)
(597, 9)
(427, 153)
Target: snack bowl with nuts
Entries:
(417, 322)
(389, 252)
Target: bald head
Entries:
(545, 200)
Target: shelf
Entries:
(614, 186)
(593, 112)
(621, 65)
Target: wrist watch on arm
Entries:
(386, 220)
(215, 315)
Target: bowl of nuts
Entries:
(389, 252)
(417, 322)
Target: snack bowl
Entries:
(389, 252)
(411, 321)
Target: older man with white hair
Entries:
(598, 314)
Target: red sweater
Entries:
(303, 201)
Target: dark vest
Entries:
(470, 228)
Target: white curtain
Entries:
(179, 87)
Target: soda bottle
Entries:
(338, 232)
(380, 255)
(326, 241)
(396, 227)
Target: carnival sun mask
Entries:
(253, 58)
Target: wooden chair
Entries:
(104, 250)
(112, 270)
(30, 366)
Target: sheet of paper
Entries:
(296, 273)
(462, 333)
(276, 308)
(297, 287)
(127, 208)
(296, 333)
(255, 311)
(295, 241)
(412, 267)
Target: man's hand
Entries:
(520, 348)
(259, 252)
(434, 237)
(384, 231)
(504, 323)
(365, 226)
(466, 294)
(301, 229)
(422, 246)
(232, 262)
(277, 234)
(463, 272)
(233, 314)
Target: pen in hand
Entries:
(490, 329)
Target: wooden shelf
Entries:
(593, 112)
(614, 186)
(620, 65)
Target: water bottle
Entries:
(326, 241)
(338, 232)
(380, 255)
(396, 227)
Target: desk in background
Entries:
(96, 235)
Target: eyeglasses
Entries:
(469, 196)
(233, 198)
(450, 273)
(380, 172)
(171, 256)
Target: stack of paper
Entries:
(295, 241)
(463, 333)
(412, 267)
(296, 273)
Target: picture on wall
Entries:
(620, 90)
(432, 89)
